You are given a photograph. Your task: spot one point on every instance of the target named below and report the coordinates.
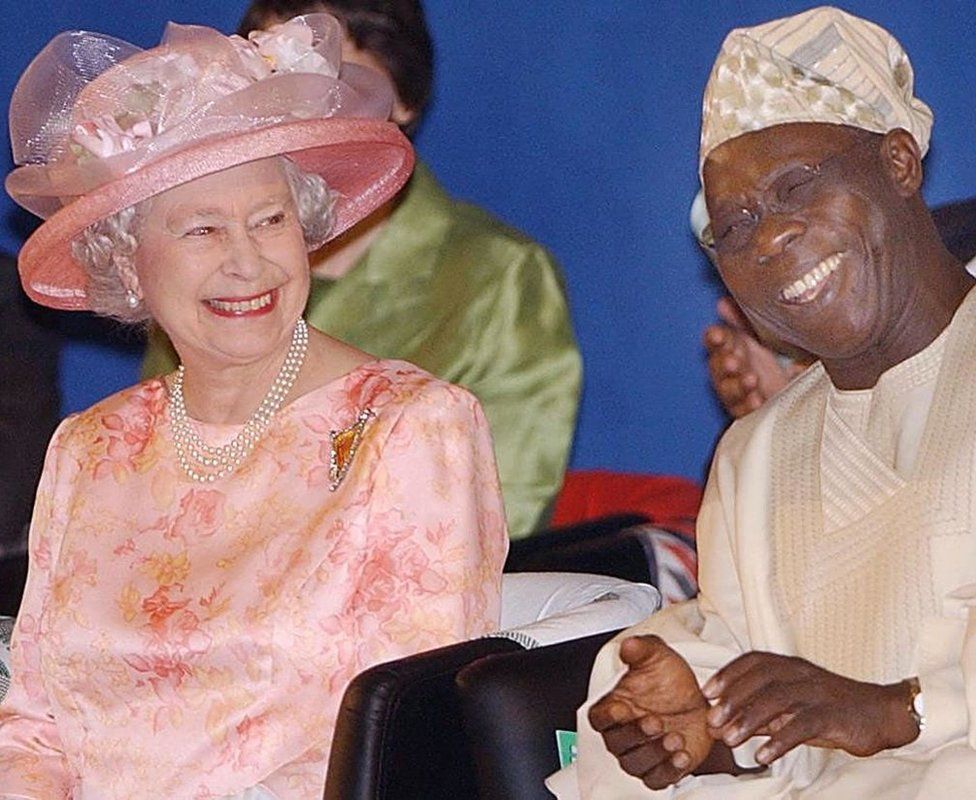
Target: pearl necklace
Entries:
(205, 463)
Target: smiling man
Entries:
(832, 650)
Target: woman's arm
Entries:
(436, 524)
(32, 762)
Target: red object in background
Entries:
(668, 501)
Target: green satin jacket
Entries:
(451, 289)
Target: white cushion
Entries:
(540, 608)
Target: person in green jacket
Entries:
(443, 284)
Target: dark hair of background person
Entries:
(30, 404)
(394, 31)
(956, 223)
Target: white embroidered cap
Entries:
(822, 65)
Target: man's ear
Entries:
(902, 159)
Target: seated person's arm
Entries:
(658, 725)
(648, 685)
(653, 718)
(436, 529)
(744, 371)
(795, 702)
(654, 721)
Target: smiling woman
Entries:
(217, 552)
(221, 265)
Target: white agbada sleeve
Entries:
(740, 607)
(708, 632)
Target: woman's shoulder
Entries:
(135, 407)
(391, 383)
(388, 388)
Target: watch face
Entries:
(918, 704)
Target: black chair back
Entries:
(13, 576)
(605, 546)
(513, 703)
(399, 730)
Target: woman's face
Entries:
(222, 266)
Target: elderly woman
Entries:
(435, 281)
(216, 554)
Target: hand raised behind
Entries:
(795, 702)
(744, 372)
(653, 720)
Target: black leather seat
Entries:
(13, 575)
(399, 730)
(512, 705)
(475, 719)
(605, 546)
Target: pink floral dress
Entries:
(186, 640)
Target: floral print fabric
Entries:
(185, 640)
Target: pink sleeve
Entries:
(436, 528)
(32, 763)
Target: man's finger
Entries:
(641, 760)
(611, 711)
(731, 364)
(730, 391)
(735, 669)
(794, 733)
(667, 772)
(635, 651)
(716, 336)
(730, 313)
(624, 738)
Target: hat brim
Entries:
(365, 162)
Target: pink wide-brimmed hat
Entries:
(97, 124)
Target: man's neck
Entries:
(942, 285)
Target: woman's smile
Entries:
(253, 306)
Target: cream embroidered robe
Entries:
(885, 595)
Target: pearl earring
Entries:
(131, 299)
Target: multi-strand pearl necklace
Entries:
(205, 463)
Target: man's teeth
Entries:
(240, 306)
(813, 278)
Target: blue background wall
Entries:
(577, 121)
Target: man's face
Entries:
(801, 215)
